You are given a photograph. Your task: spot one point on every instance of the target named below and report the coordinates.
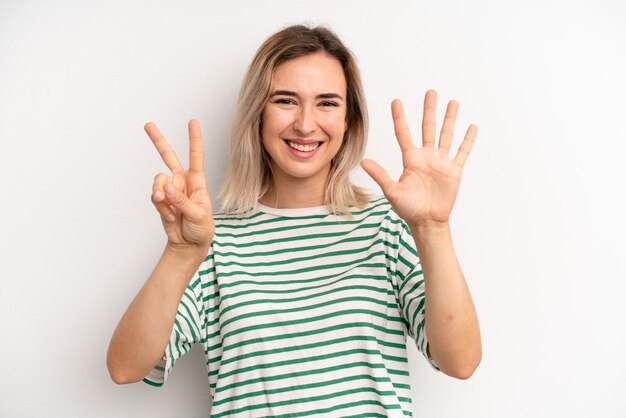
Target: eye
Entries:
(329, 104)
(284, 101)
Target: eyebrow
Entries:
(319, 96)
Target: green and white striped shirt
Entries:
(302, 312)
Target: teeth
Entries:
(301, 147)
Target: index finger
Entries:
(196, 151)
(165, 150)
(400, 126)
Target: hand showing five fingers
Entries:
(428, 186)
(182, 198)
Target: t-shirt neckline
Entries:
(293, 212)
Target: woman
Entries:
(310, 286)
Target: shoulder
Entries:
(226, 220)
(376, 205)
(392, 226)
(379, 206)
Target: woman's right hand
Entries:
(182, 198)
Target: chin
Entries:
(302, 173)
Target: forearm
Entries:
(451, 321)
(143, 332)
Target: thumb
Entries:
(181, 202)
(379, 174)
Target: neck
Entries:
(293, 193)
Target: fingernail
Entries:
(158, 195)
(169, 189)
(171, 218)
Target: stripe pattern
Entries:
(302, 312)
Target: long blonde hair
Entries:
(249, 173)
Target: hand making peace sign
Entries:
(428, 186)
(182, 199)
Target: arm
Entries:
(451, 321)
(143, 333)
(424, 197)
(183, 202)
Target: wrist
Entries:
(430, 233)
(430, 226)
(185, 252)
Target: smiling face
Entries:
(304, 119)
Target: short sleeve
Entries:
(189, 328)
(411, 286)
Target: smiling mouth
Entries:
(302, 147)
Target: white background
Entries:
(538, 225)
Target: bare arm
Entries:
(451, 321)
(183, 201)
(424, 197)
(142, 334)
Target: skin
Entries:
(423, 196)
(183, 202)
(307, 103)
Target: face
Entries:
(304, 120)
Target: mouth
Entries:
(303, 147)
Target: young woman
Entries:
(303, 289)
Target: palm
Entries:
(183, 199)
(428, 186)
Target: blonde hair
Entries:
(249, 174)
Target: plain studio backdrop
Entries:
(538, 224)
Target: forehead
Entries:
(313, 73)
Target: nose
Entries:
(305, 122)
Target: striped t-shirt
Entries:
(302, 312)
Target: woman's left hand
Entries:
(428, 186)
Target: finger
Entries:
(379, 174)
(401, 128)
(158, 197)
(447, 130)
(167, 153)
(180, 182)
(466, 145)
(159, 189)
(182, 203)
(196, 151)
(167, 215)
(160, 180)
(429, 124)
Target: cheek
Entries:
(268, 126)
(335, 124)
(274, 123)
